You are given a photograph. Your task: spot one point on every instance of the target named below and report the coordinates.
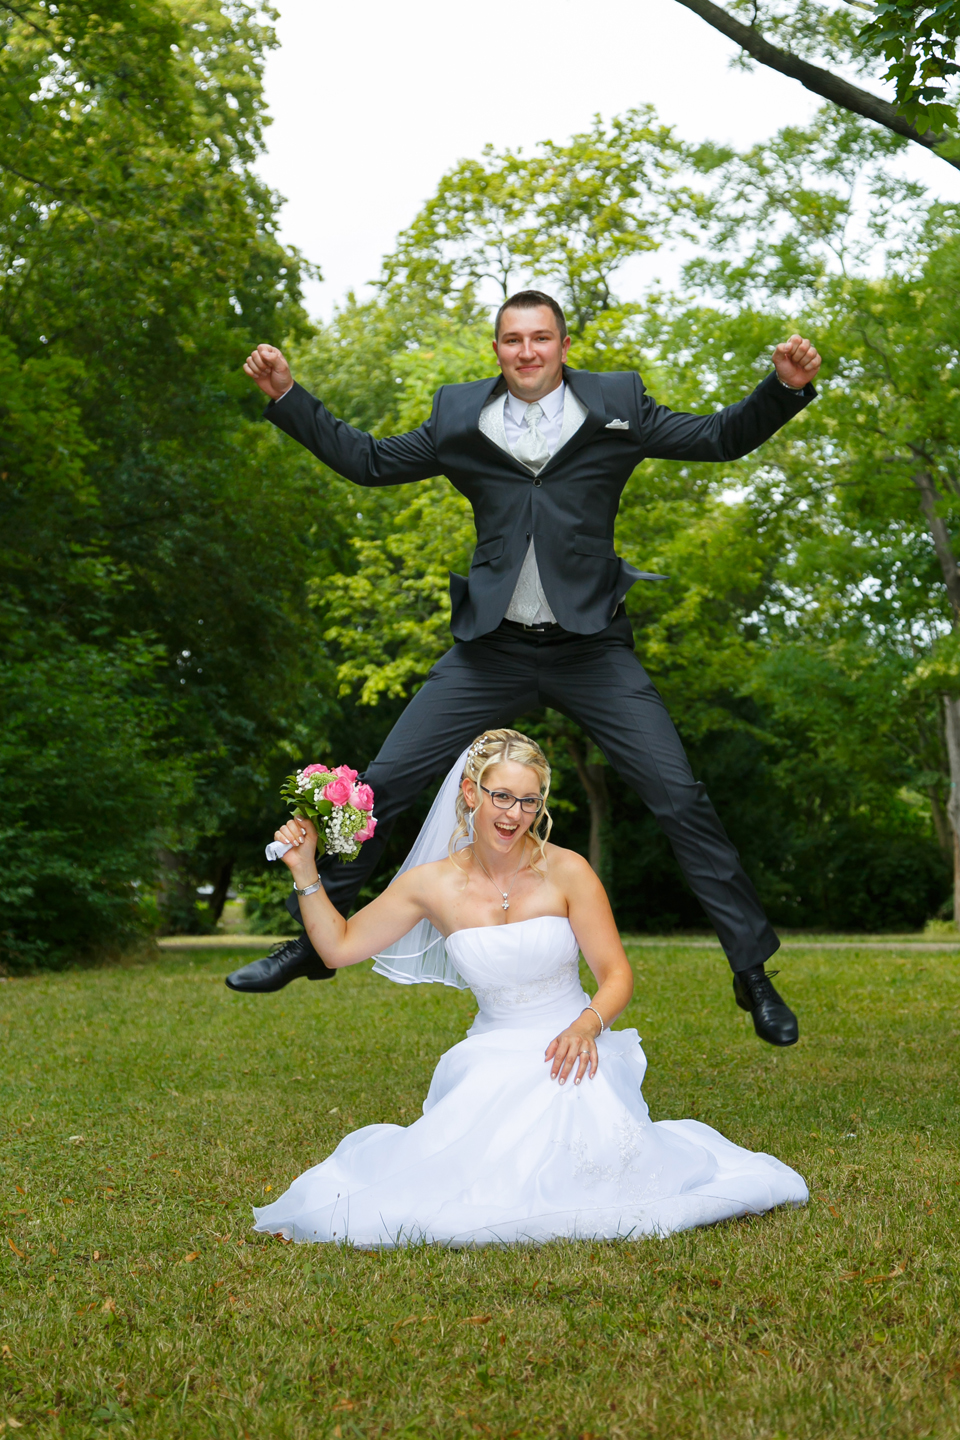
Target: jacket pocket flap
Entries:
(594, 545)
(489, 550)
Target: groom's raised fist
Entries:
(796, 362)
(267, 366)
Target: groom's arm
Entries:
(738, 429)
(351, 453)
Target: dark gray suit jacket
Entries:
(569, 508)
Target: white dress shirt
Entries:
(550, 422)
(528, 581)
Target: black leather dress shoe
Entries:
(773, 1019)
(286, 961)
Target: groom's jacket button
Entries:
(538, 481)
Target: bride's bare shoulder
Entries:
(432, 875)
(567, 865)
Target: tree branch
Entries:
(27, 20)
(813, 77)
(63, 196)
(940, 536)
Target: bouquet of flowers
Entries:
(339, 807)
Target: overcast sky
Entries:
(373, 101)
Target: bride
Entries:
(534, 1126)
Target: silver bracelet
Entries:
(310, 889)
(603, 1023)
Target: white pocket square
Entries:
(617, 425)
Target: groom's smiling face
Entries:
(530, 351)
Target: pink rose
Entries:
(338, 791)
(367, 832)
(346, 773)
(315, 770)
(362, 797)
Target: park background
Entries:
(190, 606)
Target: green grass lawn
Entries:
(145, 1109)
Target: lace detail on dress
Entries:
(541, 987)
(632, 1140)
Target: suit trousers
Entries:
(597, 681)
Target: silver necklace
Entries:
(504, 893)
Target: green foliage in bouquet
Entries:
(306, 801)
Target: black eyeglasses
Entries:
(503, 800)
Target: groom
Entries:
(543, 452)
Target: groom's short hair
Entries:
(531, 300)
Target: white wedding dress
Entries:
(503, 1154)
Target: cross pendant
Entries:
(505, 905)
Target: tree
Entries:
(901, 372)
(145, 503)
(919, 40)
(870, 590)
(82, 726)
(570, 215)
(85, 776)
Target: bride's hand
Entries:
(572, 1050)
(302, 836)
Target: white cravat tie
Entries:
(532, 448)
(528, 603)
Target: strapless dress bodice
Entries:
(524, 975)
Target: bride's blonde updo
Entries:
(493, 747)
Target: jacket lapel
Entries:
(586, 389)
(574, 414)
(489, 420)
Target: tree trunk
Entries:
(943, 547)
(221, 885)
(940, 536)
(941, 823)
(594, 781)
(812, 77)
(175, 898)
(951, 713)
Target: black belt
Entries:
(547, 628)
(551, 627)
